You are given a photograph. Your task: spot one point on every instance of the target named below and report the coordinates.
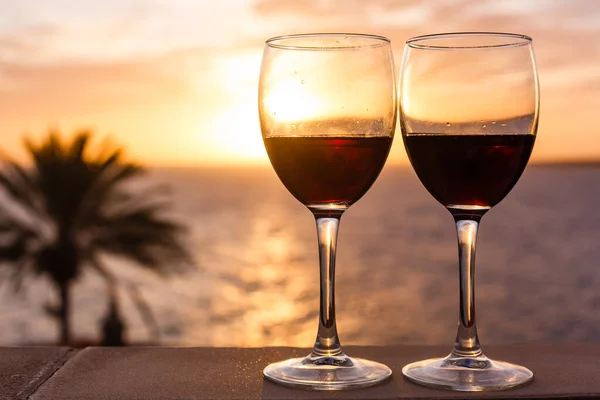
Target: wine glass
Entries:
(469, 107)
(327, 106)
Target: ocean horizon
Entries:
(256, 276)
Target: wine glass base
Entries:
(467, 374)
(327, 373)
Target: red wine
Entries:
(469, 170)
(320, 171)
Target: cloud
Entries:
(565, 33)
(161, 107)
(114, 30)
(187, 59)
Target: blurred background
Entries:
(138, 204)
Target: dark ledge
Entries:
(25, 369)
(561, 371)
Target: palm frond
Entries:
(14, 241)
(140, 303)
(20, 185)
(144, 236)
(76, 149)
(20, 269)
(15, 252)
(144, 310)
(107, 173)
(66, 178)
(50, 149)
(86, 194)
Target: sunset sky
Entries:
(175, 81)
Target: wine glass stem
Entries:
(467, 343)
(327, 342)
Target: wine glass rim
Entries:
(512, 40)
(374, 41)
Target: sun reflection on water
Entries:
(265, 298)
(396, 280)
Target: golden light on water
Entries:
(175, 83)
(265, 299)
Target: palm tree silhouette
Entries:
(75, 204)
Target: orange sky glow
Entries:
(175, 81)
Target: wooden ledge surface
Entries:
(152, 373)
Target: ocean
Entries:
(256, 276)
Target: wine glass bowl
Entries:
(469, 105)
(327, 107)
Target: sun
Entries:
(235, 135)
(231, 131)
(291, 100)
